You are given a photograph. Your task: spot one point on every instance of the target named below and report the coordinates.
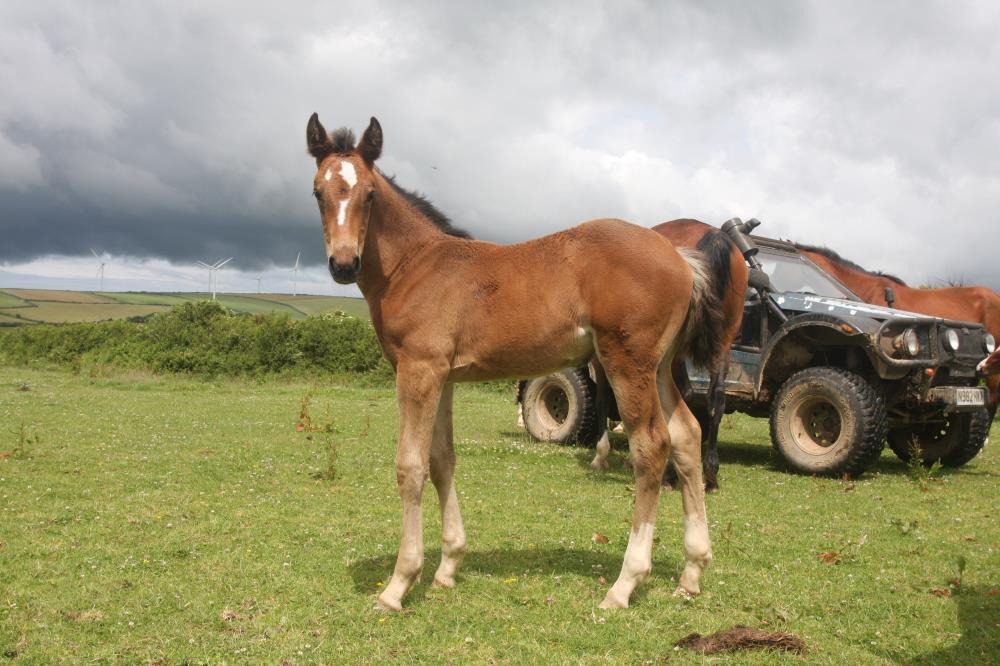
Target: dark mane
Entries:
(427, 209)
(833, 256)
(342, 139)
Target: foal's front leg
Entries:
(418, 390)
(443, 477)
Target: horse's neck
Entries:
(870, 288)
(396, 231)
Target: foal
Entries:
(448, 309)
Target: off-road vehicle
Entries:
(837, 377)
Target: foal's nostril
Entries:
(356, 264)
(333, 264)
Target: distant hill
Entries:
(52, 306)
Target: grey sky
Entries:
(175, 130)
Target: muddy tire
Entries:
(953, 441)
(560, 408)
(828, 421)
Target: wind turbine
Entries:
(295, 278)
(258, 285)
(211, 273)
(100, 270)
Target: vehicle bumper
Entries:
(958, 398)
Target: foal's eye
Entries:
(316, 194)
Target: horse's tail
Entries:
(704, 329)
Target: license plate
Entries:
(969, 396)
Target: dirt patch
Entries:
(742, 638)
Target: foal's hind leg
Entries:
(685, 438)
(649, 444)
(418, 389)
(443, 477)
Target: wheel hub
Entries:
(816, 425)
(556, 404)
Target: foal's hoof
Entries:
(684, 594)
(388, 605)
(599, 465)
(443, 581)
(611, 601)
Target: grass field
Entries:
(143, 298)
(53, 306)
(150, 520)
(10, 301)
(59, 296)
(51, 312)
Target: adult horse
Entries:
(727, 269)
(977, 304)
(449, 309)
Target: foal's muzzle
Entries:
(345, 273)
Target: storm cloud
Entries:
(175, 131)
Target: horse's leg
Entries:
(716, 410)
(418, 390)
(685, 438)
(649, 445)
(443, 477)
(602, 407)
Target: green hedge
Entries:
(204, 338)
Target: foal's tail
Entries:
(703, 331)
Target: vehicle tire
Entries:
(828, 421)
(561, 408)
(954, 441)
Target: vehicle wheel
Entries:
(560, 408)
(954, 440)
(828, 421)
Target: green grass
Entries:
(144, 298)
(312, 305)
(148, 519)
(10, 301)
(62, 306)
(59, 312)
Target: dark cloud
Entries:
(176, 130)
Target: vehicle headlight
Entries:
(908, 343)
(990, 343)
(951, 339)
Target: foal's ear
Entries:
(371, 142)
(317, 140)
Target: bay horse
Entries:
(728, 272)
(450, 309)
(975, 304)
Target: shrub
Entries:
(204, 338)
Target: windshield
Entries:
(793, 273)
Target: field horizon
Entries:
(22, 306)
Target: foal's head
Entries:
(344, 187)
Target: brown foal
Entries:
(448, 309)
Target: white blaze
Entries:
(328, 175)
(348, 173)
(342, 212)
